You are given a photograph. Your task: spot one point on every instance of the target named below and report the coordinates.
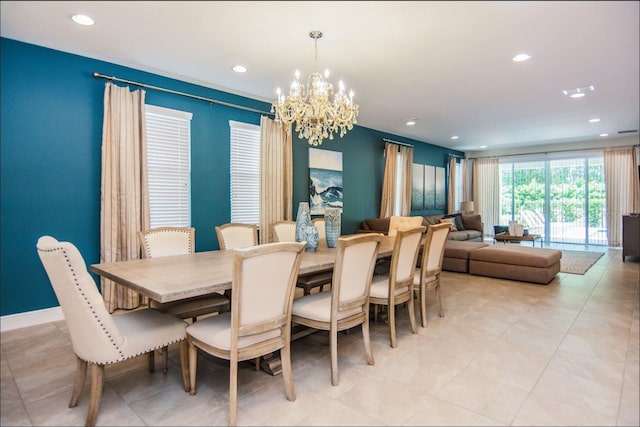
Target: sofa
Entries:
(467, 227)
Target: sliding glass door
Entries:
(562, 200)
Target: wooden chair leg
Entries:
(165, 359)
(441, 310)
(97, 382)
(367, 341)
(412, 317)
(233, 391)
(287, 372)
(152, 361)
(423, 305)
(333, 346)
(193, 366)
(81, 376)
(184, 365)
(391, 310)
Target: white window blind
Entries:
(169, 166)
(245, 172)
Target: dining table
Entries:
(178, 277)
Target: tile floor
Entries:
(506, 353)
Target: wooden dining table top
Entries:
(173, 278)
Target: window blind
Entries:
(169, 166)
(245, 172)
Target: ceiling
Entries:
(447, 64)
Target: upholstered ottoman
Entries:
(515, 262)
(456, 255)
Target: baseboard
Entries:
(30, 318)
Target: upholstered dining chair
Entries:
(403, 222)
(98, 338)
(397, 287)
(427, 276)
(259, 322)
(284, 231)
(322, 229)
(235, 235)
(347, 304)
(168, 241)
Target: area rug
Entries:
(578, 262)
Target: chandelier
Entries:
(316, 109)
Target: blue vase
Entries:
(303, 220)
(312, 238)
(332, 226)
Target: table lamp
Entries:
(467, 207)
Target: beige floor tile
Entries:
(515, 364)
(629, 414)
(545, 411)
(432, 411)
(602, 397)
(592, 368)
(386, 401)
(332, 412)
(484, 395)
(595, 345)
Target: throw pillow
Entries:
(458, 220)
(451, 221)
(472, 222)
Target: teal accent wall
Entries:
(50, 153)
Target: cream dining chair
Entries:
(427, 276)
(284, 231)
(98, 338)
(403, 222)
(319, 224)
(347, 304)
(168, 241)
(259, 322)
(235, 235)
(397, 287)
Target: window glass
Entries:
(169, 166)
(245, 173)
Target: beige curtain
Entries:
(465, 176)
(397, 159)
(451, 193)
(387, 203)
(124, 195)
(486, 192)
(276, 176)
(406, 180)
(621, 187)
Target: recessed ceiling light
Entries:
(521, 57)
(594, 120)
(604, 134)
(579, 92)
(82, 19)
(411, 122)
(455, 137)
(239, 68)
(483, 146)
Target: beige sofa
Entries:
(468, 227)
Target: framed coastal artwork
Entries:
(429, 188)
(325, 180)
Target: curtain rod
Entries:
(557, 151)
(396, 142)
(455, 155)
(188, 95)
